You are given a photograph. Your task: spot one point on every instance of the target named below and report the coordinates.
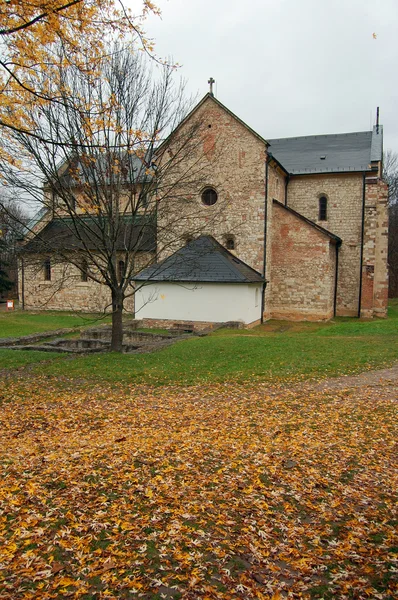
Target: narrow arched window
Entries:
(84, 270)
(121, 269)
(47, 269)
(323, 208)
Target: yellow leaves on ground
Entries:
(202, 492)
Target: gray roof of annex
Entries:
(201, 260)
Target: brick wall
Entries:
(302, 270)
(344, 219)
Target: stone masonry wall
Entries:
(233, 161)
(374, 298)
(275, 190)
(66, 291)
(302, 270)
(344, 218)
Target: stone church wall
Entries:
(275, 191)
(230, 159)
(374, 298)
(302, 271)
(344, 219)
(65, 291)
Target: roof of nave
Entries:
(66, 234)
(335, 153)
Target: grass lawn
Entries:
(19, 323)
(275, 351)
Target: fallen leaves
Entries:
(199, 492)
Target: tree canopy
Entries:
(32, 33)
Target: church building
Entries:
(290, 228)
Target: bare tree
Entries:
(390, 175)
(13, 220)
(100, 166)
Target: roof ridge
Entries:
(319, 135)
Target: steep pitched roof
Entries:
(202, 260)
(322, 230)
(336, 153)
(60, 234)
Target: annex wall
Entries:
(344, 193)
(303, 262)
(207, 302)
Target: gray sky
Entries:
(289, 67)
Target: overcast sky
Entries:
(289, 67)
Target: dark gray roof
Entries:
(336, 153)
(61, 235)
(132, 169)
(202, 260)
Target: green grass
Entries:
(271, 352)
(19, 323)
(13, 359)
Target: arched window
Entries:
(121, 269)
(84, 270)
(323, 208)
(47, 269)
(209, 196)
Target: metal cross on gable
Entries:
(211, 82)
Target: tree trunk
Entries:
(117, 321)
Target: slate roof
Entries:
(202, 260)
(132, 170)
(336, 153)
(59, 234)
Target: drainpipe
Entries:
(286, 184)
(335, 280)
(362, 240)
(23, 282)
(265, 239)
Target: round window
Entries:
(209, 196)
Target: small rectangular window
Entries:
(47, 269)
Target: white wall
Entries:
(213, 302)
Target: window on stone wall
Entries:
(121, 269)
(230, 243)
(209, 196)
(143, 200)
(47, 269)
(323, 208)
(84, 270)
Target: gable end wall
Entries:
(302, 270)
